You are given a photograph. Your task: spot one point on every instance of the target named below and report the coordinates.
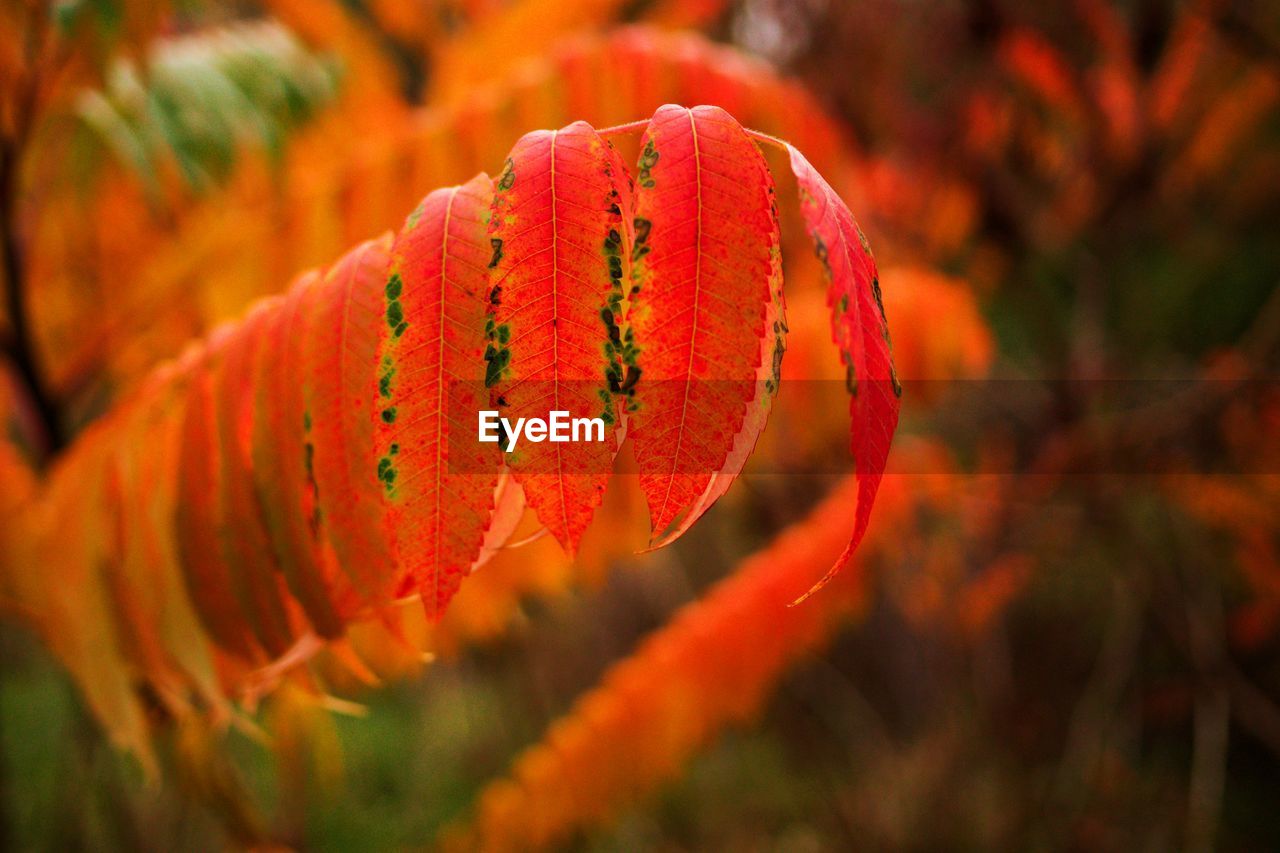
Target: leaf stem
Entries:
(633, 126)
(780, 144)
(620, 129)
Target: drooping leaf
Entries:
(65, 580)
(706, 251)
(210, 578)
(764, 389)
(860, 330)
(282, 465)
(147, 482)
(241, 528)
(438, 481)
(341, 331)
(557, 268)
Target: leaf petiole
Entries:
(619, 129)
(780, 144)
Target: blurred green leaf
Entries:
(204, 99)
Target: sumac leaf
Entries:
(438, 481)
(341, 334)
(705, 256)
(557, 267)
(241, 529)
(861, 331)
(205, 568)
(282, 459)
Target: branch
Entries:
(20, 347)
(1237, 29)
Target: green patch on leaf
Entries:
(643, 227)
(387, 474)
(648, 159)
(497, 359)
(507, 179)
(820, 249)
(395, 285)
(395, 314)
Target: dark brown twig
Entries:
(20, 347)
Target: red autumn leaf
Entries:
(765, 387)
(204, 566)
(240, 526)
(706, 249)
(439, 483)
(861, 331)
(556, 273)
(340, 333)
(282, 469)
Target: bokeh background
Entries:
(1063, 629)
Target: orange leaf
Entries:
(241, 530)
(340, 333)
(439, 482)
(281, 465)
(557, 237)
(706, 254)
(146, 472)
(710, 666)
(204, 565)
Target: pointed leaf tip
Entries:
(860, 330)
